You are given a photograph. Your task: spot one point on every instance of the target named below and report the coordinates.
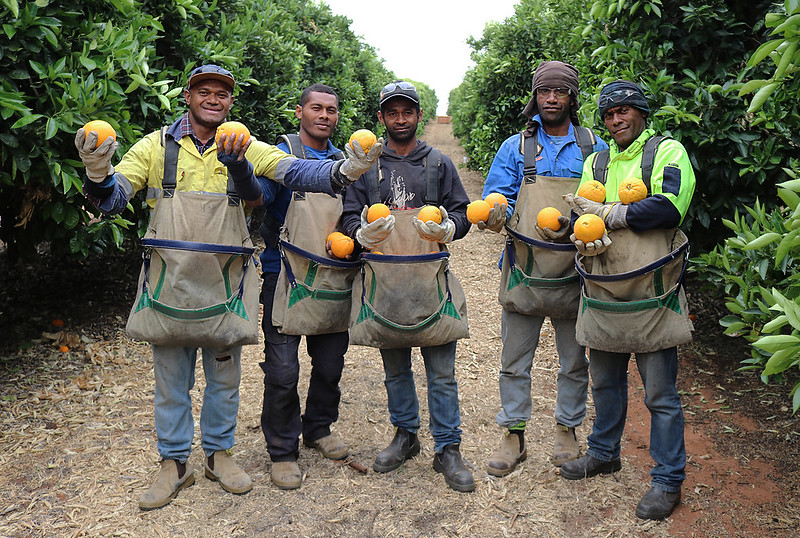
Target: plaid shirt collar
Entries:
(186, 130)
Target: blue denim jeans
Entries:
(659, 372)
(174, 372)
(281, 420)
(445, 419)
(520, 339)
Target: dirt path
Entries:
(78, 447)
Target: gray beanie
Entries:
(622, 92)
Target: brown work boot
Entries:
(166, 486)
(565, 445)
(512, 452)
(330, 446)
(221, 468)
(286, 474)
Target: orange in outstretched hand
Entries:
(631, 190)
(589, 227)
(232, 129)
(103, 130)
(365, 137)
(548, 218)
(478, 211)
(341, 245)
(496, 198)
(593, 190)
(430, 212)
(377, 211)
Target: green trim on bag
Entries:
(302, 291)
(226, 275)
(671, 301)
(658, 281)
(144, 302)
(517, 277)
(161, 277)
(447, 308)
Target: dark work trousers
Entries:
(281, 421)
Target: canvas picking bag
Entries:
(406, 296)
(198, 286)
(538, 277)
(633, 300)
(313, 292)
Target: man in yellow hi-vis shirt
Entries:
(624, 111)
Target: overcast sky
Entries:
(424, 40)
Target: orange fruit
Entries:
(496, 198)
(593, 190)
(548, 218)
(63, 349)
(341, 245)
(430, 212)
(103, 130)
(632, 189)
(365, 137)
(478, 211)
(232, 129)
(589, 228)
(377, 211)
(332, 236)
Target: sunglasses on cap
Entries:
(392, 86)
(615, 97)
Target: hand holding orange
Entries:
(478, 211)
(232, 129)
(377, 211)
(430, 212)
(548, 218)
(366, 139)
(103, 130)
(589, 227)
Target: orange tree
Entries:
(125, 61)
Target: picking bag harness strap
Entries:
(530, 148)
(600, 165)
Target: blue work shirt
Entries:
(276, 202)
(560, 157)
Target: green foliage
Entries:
(688, 56)
(783, 51)
(125, 61)
(757, 269)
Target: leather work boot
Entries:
(565, 445)
(286, 474)
(221, 468)
(588, 466)
(451, 465)
(657, 504)
(166, 486)
(404, 446)
(331, 447)
(512, 452)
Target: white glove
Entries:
(97, 161)
(372, 234)
(592, 248)
(358, 162)
(583, 205)
(496, 219)
(433, 231)
(617, 217)
(554, 236)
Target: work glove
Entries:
(239, 168)
(496, 219)
(433, 231)
(617, 217)
(556, 236)
(97, 161)
(372, 234)
(357, 163)
(592, 248)
(582, 205)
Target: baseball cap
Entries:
(210, 71)
(399, 89)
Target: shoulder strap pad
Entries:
(649, 157)
(293, 141)
(171, 150)
(600, 166)
(432, 163)
(530, 148)
(586, 140)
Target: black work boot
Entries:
(657, 504)
(404, 446)
(449, 463)
(588, 466)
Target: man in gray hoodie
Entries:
(402, 169)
